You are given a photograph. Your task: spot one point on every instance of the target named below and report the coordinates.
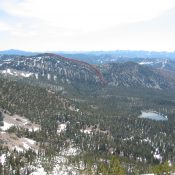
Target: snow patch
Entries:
(48, 76)
(146, 62)
(26, 75)
(36, 76)
(32, 142)
(18, 149)
(26, 146)
(62, 127)
(70, 151)
(55, 77)
(17, 73)
(157, 155)
(39, 171)
(86, 131)
(2, 159)
(33, 129)
(128, 138)
(7, 71)
(28, 143)
(6, 126)
(60, 168)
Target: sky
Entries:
(87, 25)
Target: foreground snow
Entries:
(39, 171)
(60, 163)
(6, 126)
(2, 159)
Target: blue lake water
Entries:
(153, 116)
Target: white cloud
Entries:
(84, 24)
(88, 15)
(4, 26)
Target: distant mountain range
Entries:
(160, 60)
(117, 54)
(17, 52)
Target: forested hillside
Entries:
(65, 115)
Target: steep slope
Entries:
(51, 67)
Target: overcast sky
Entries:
(77, 25)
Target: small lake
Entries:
(153, 116)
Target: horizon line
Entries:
(112, 50)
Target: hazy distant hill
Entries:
(101, 56)
(16, 52)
